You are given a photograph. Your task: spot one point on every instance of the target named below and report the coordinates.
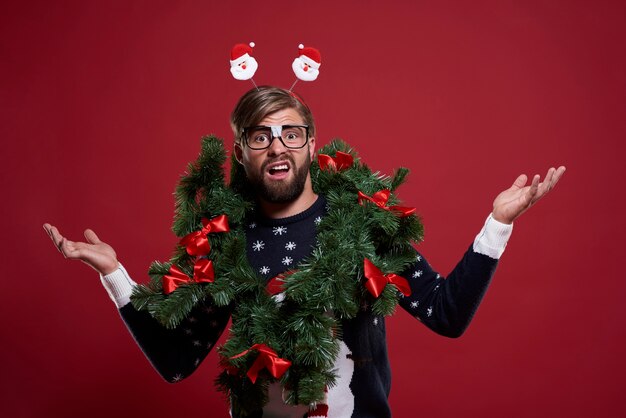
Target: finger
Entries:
(46, 228)
(533, 190)
(63, 247)
(551, 180)
(71, 249)
(519, 182)
(91, 237)
(546, 184)
(549, 177)
(56, 237)
(557, 176)
(535, 182)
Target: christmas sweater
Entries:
(445, 305)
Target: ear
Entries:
(312, 148)
(238, 153)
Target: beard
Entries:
(280, 191)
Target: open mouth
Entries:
(278, 170)
(282, 168)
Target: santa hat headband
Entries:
(243, 65)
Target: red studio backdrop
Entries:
(104, 103)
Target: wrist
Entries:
(493, 237)
(502, 219)
(106, 270)
(118, 285)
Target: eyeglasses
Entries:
(291, 136)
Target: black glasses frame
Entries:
(246, 130)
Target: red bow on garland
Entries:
(380, 199)
(376, 280)
(275, 285)
(267, 359)
(202, 273)
(197, 242)
(340, 162)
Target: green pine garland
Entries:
(325, 288)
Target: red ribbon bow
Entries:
(275, 285)
(202, 273)
(340, 162)
(267, 359)
(380, 199)
(197, 242)
(376, 280)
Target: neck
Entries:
(275, 210)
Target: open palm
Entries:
(514, 201)
(95, 253)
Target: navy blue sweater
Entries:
(446, 306)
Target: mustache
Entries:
(287, 158)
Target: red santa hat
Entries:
(310, 56)
(240, 53)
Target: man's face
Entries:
(278, 174)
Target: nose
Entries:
(277, 147)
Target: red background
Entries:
(104, 103)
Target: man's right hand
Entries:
(95, 253)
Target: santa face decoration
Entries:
(242, 64)
(306, 66)
(244, 68)
(303, 70)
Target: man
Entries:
(275, 143)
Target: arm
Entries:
(175, 354)
(447, 305)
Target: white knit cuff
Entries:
(119, 286)
(492, 239)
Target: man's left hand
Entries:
(514, 201)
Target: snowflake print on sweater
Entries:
(279, 230)
(277, 245)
